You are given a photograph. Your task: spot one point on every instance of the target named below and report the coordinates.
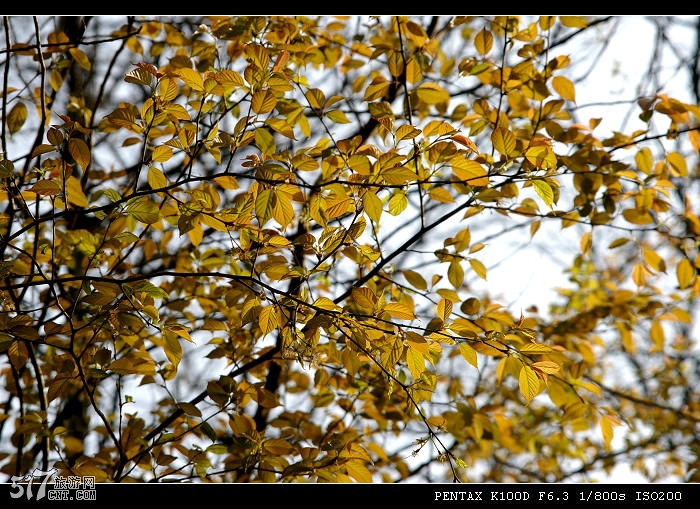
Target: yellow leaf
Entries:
(398, 310)
(156, 178)
(279, 241)
(618, 242)
(637, 216)
(656, 332)
(398, 203)
(135, 363)
(548, 367)
(79, 151)
(377, 89)
(437, 421)
(167, 89)
(283, 211)
(241, 424)
(338, 206)
(338, 117)
(189, 408)
(541, 156)
(180, 331)
(531, 348)
(564, 87)
(415, 279)
(172, 349)
(191, 78)
(644, 160)
(416, 362)
(364, 297)
(37, 151)
(74, 193)
(80, 58)
(654, 260)
(46, 187)
(589, 387)
(586, 242)
(264, 205)
(679, 166)
(263, 101)
(544, 191)
(143, 209)
(455, 274)
(466, 142)
(574, 21)
(560, 393)
(483, 41)
(465, 328)
(358, 471)
(281, 126)
(534, 227)
(468, 171)
(503, 140)
(685, 273)
(694, 138)
(489, 347)
(325, 303)
(395, 64)
(227, 182)
(406, 132)
(139, 76)
(265, 141)
(316, 98)
(478, 267)
(682, 315)
(469, 354)
(444, 309)
(432, 93)
(529, 383)
(398, 175)
(16, 117)
(213, 222)
(161, 154)
(639, 274)
(418, 343)
(268, 319)
(278, 447)
(607, 424)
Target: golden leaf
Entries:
(398, 310)
(469, 354)
(529, 383)
(74, 193)
(564, 87)
(685, 273)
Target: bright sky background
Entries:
(616, 77)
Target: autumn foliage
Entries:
(258, 249)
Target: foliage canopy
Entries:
(259, 248)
